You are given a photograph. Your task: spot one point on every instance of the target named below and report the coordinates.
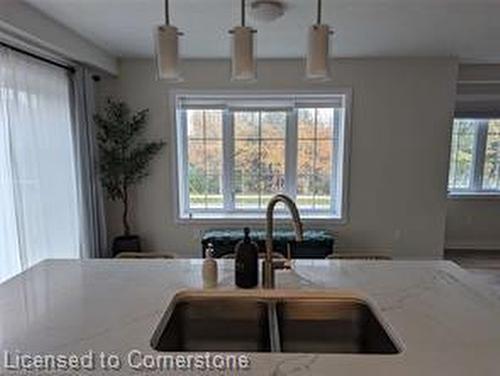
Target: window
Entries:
(475, 157)
(235, 152)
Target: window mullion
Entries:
(315, 159)
(186, 209)
(479, 155)
(291, 152)
(228, 160)
(336, 161)
(260, 158)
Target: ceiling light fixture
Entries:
(317, 67)
(267, 10)
(243, 62)
(167, 50)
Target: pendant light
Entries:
(167, 50)
(243, 62)
(317, 62)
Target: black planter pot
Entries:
(131, 243)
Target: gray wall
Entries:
(401, 121)
(473, 223)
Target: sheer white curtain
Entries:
(38, 196)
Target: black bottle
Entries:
(246, 262)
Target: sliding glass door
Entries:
(39, 216)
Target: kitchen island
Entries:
(443, 320)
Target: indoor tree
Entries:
(124, 157)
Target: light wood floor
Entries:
(485, 264)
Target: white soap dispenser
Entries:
(209, 270)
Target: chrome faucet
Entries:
(268, 265)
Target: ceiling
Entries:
(469, 29)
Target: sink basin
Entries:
(215, 324)
(271, 321)
(331, 326)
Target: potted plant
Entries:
(124, 159)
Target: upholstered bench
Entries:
(316, 243)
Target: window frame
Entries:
(180, 193)
(478, 160)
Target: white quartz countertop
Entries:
(446, 322)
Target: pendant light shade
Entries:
(243, 62)
(317, 64)
(318, 46)
(167, 53)
(167, 50)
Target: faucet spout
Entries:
(268, 266)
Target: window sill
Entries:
(238, 218)
(474, 196)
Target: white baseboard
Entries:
(472, 247)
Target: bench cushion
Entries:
(316, 243)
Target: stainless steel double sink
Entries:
(288, 321)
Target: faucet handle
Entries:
(289, 262)
(284, 263)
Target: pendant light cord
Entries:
(167, 13)
(243, 13)
(318, 20)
